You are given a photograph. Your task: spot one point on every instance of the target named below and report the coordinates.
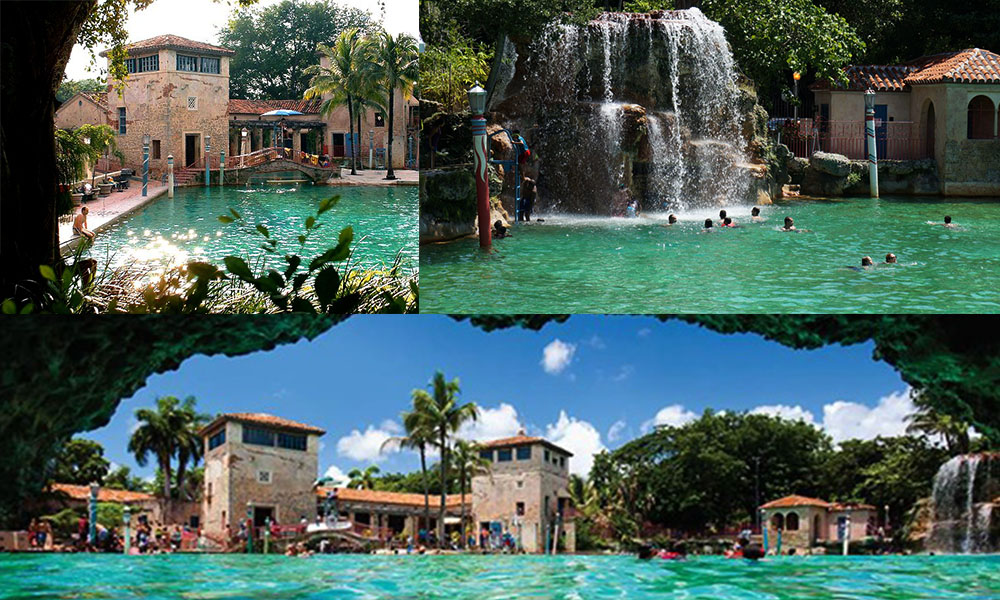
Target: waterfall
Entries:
(645, 100)
(962, 505)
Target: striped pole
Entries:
(482, 184)
(145, 166)
(222, 168)
(208, 148)
(170, 176)
(870, 134)
(92, 513)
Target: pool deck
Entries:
(376, 177)
(107, 210)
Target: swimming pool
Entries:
(495, 577)
(173, 231)
(573, 264)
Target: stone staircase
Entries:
(186, 176)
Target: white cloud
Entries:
(674, 415)
(391, 426)
(596, 342)
(792, 413)
(557, 356)
(492, 424)
(340, 478)
(365, 446)
(623, 373)
(616, 430)
(845, 420)
(644, 332)
(579, 437)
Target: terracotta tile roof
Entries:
(98, 98)
(793, 500)
(175, 42)
(82, 492)
(262, 419)
(258, 107)
(973, 65)
(519, 440)
(398, 498)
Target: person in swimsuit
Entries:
(80, 224)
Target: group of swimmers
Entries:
(743, 548)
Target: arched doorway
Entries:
(815, 529)
(980, 118)
(778, 522)
(929, 124)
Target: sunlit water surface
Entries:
(495, 577)
(174, 231)
(572, 264)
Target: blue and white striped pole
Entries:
(170, 175)
(92, 511)
(208, 172)
(870, 134)
(222, 168)
(145, 164)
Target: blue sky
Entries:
(594, 382)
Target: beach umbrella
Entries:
(280, 113)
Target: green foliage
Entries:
(853, 178)
(64, 522)
(123, 479)
(69, 88)
(80, 461)
(449, 68)
(363, 479)
(771, 37)
(167, 432)
(485, 20)
(645, 6)
(276, 44)
(110, 514)
(105, 26)
(74, 152)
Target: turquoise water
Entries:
(495, 577)
(572, 264)
(170, 232)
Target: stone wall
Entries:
(80, 110)
(830, 175)
(972, 168)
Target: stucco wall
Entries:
(78, 111)
(850, 106)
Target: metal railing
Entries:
(896, 140)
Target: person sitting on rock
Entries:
(80, 224)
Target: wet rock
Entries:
(828, 163)
(447, 204)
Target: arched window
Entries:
(792, 521)
(981, 118)
(778, 521)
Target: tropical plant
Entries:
(363, 479)
(344, 81)
(443, 416)
(80, 462)
(931, 422)
(468, 462)
(123, 479)
(419, 436)
(162, 432)
(392, 63)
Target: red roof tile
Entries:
(262, 419)
(850, 506)
(398, 498)
(973, 65)
(174, 42)
(793, 500)
(519, 440)
(259, 107)
(82, 492)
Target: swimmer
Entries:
(499, 231)
(708, 226)
(671, 219)
(866, 262)
(755, 214)
(729, 223)
(790, 226)
(890, 258)
(753, 551)
(722, 215)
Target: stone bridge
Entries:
(316, 174)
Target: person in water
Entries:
(866, 262)
(755, 214)
(647, 552)
(708, 225)
(527, 198)
(722, 215)
(80, 224)
(790, 226)
(632, 210)
(728, 222)
(672, 219)
(890, 259)
(499, 230)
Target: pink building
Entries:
(806, 522)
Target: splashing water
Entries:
(649, 101)
(961, 507)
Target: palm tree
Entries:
(393, 62)
(928, 421)
(583, 495)
(190, 446)
(469, 463)
(158, 433)
(363, 480)
(418, 437)
(343, 80)
(443, 416)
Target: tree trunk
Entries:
(444, 489)
(37, 40)
(350, 124)
(388, 147)
(357, 116)
(165, 467)
(181, 471)
(427, 492)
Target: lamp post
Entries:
(847, 533)
(92, 512)
(870, 135)
(208, 148)
(477, 102)
(126, 519)
(222, 167)
(145, 164)
(795, 91)
(409, 151)
(249, 527)
(763, 529)
(170, 176)
(267, 533)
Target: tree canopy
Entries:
(275, 44)
(80, 461)
(69, 88)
